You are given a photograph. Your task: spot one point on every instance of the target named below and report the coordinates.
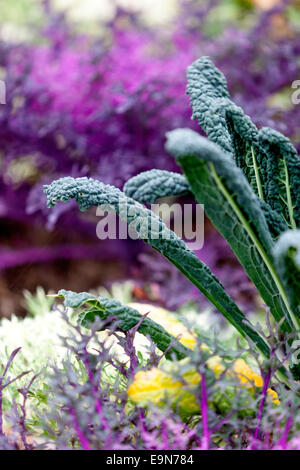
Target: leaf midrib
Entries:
(255, 240)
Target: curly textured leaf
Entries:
(287, 259)
(223, 121)
(208, 92)
(267, 158)
(282, 178)
(275, 222)
(150, 228)
(151, 185)
(235, 211)
(104, 308)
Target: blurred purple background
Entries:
(100, 105)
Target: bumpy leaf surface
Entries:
(267, 158)
(235, 210)
(224, 123)
(150, 228)
(127, 317)
(148, 186)
(282, 175)
(287, 259)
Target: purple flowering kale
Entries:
(81, 106)
(89, 406)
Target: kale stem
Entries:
(257, 175)
(288, 196)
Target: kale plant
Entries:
(247, 180)
(100, 107)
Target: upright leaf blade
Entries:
(287, 260)
(268, 159)
(225, 123)
(275, 222)
(235, 211)
(282, 176)
(150, 185)
(208, 92)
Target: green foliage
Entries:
(267, 158)
(248, 182)
(150, 228)
(148, 186)
(235, 211)
(287, 260)
(127, 317)
(282, 177)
